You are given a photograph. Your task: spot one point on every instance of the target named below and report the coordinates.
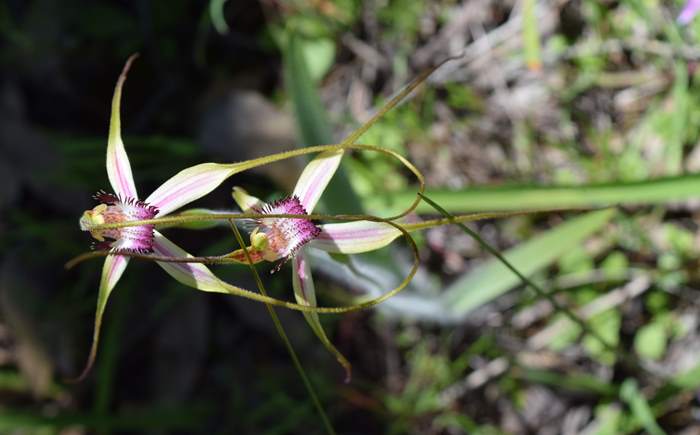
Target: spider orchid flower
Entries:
(124, 205)
(286, 239)
(689, 11)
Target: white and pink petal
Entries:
(112, 270)
(118, 166)
(354, 237)
(195, 275)
(315, 177)
(305, 294)
(188, 185)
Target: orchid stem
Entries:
(410, 227)
(280, 330)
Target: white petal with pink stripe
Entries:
(354, 237)
(188, 185)
(315, 177)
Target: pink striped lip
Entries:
(285, 236)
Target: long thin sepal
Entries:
(305, 294)
(112, 270)
(194, 275)
(354, 237)
(118, 167)
(315, 177)
(188, 185)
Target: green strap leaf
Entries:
(527, 197)
(492, 278)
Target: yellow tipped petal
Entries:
(118, 167)
(244, 200)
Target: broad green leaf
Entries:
(319, 54)
(607, 420)
(606, 325)
(650, 340)
(493, 198)
(492, 278)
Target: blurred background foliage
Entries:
(552, 104)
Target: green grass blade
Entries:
(629, 392)
(495, 198)
(679, 120)
(686, 381)
(493, 278)
(575, 381)
(216, 13)
(531, 36)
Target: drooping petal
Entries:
(112, 270)
(305, 294)
(354, 237)
(245, 200)
(118, 167)
(690, 10)
(194, 275)
(315, 177)
(188, 185)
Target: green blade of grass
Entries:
(679, 120)
(493, 278)
(666, 397)
(576, 381)
(531, 36)
(495, 198)
(629, 392)
(216, 13)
